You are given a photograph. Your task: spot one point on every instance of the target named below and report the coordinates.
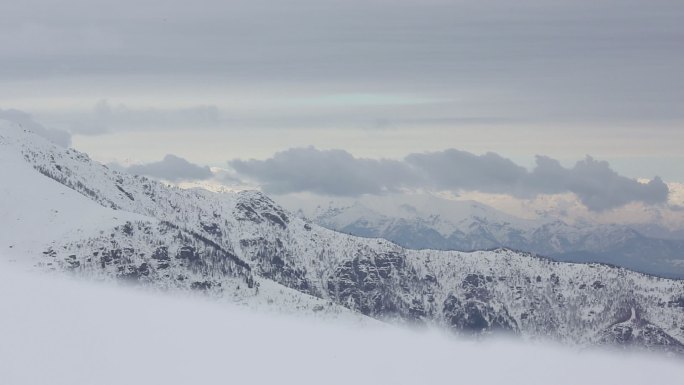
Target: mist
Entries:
(58, 331)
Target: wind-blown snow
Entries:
(61, 332)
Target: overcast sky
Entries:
(212, 81)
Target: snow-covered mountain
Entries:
(424, 222)
(62, 211)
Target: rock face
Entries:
(476, 316)
(234, 245)
(477, 311)
(638, 332)
(379, 285)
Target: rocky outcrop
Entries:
(637, 332)
(379, 285)
(474, 316)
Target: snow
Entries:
(421, 221)
(443, 215)
(519, 283)
(57, 332)
(38, 213)
(56, 212)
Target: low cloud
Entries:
(172, 168)
(24, 120)
(596, 185)
(337, 172)
(459, 170)
(333, 172)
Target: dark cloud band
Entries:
(337, 172)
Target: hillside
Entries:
(434, 223)
(245, 248)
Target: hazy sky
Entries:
(212, 81)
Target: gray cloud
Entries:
(595, 183)
(581, 65)
(454, 169)
(336, 172)
(24, 120)
(171, 168)
(325, 172)
(105, 117)
(566, 59)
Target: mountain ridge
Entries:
(205, 234)
(620, 245)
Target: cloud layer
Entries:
(462, 70)
(333, 172)
(337, 172)
(171, 168)
(105, 116)
(609, 59)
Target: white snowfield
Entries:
(61, 332)
(111, 226)
(37, 211)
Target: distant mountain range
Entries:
(60, 211)
(424, 222)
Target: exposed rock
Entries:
(640, 333)
(187, 252)
(473, 316)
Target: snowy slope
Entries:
(35, 210)
(47, 225)
(245, 247)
